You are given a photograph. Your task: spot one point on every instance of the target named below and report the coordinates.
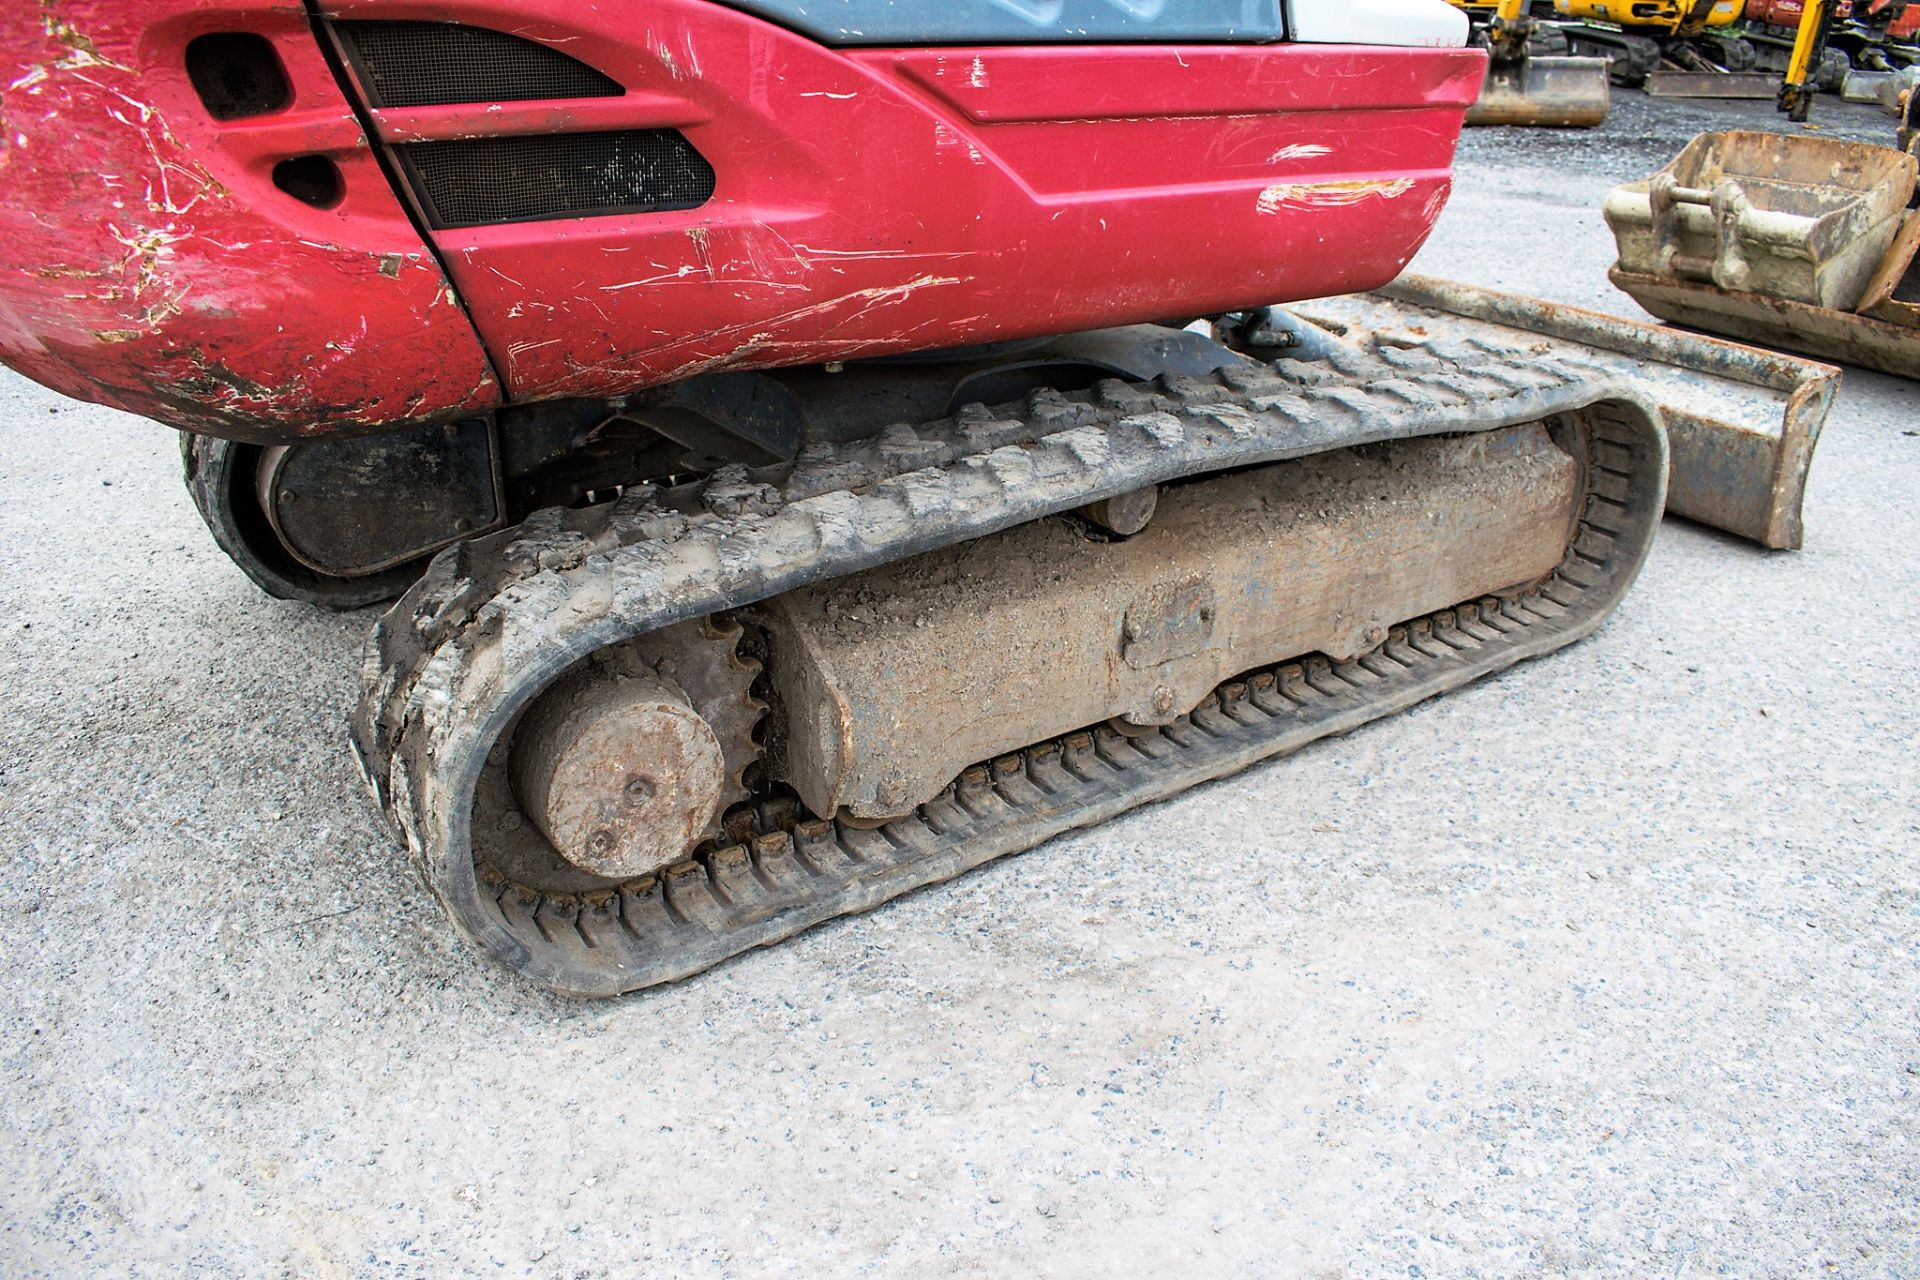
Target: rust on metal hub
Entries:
(1126, 514)
(619, 772)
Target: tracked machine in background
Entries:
(1737, 48)
(1678, 48)
(1872, 36)
(1812, 64)
(1863, 52)
(772, 425)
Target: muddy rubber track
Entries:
(220, 478)
(495, 621)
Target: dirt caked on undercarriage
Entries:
(775, 533)
(937, 666)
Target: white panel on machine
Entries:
(1427, 23)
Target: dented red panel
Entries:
(867, 202)
(874, 201)
(147, 260)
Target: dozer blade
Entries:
(1756, 85)
(1742, 422)
(1865, 86)
(1545, 93)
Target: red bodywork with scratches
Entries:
(867, 202)
(148, 262)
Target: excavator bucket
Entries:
(1802, 243)
(1741, 422)
(1545, 93)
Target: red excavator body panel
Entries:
(863, 202)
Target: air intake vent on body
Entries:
(430, 64)
(478, 181)
(237, 75)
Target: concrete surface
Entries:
(1604, 968)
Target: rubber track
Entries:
(219, 476)
(495, 621)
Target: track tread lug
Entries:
(817, 847)
(643, 910)
(775, 864)
(1212, 719)
(689, 896)
(1046, 770)
(869, 848)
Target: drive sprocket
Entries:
(702, 659)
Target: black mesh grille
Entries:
(479, 181)
(430, 64)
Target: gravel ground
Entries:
(1605, 967)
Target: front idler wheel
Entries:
(222, 479)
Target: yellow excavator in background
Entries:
(1819, 22)
(1809, 44)
(1527, 88)
(1670, 48)
(1871, 37)
(1675, 48)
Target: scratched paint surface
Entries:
(868, 202)
(1330, 195)
(878, 201)
(148, 262)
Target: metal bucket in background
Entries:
(1805, 244)
(1546, 93)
